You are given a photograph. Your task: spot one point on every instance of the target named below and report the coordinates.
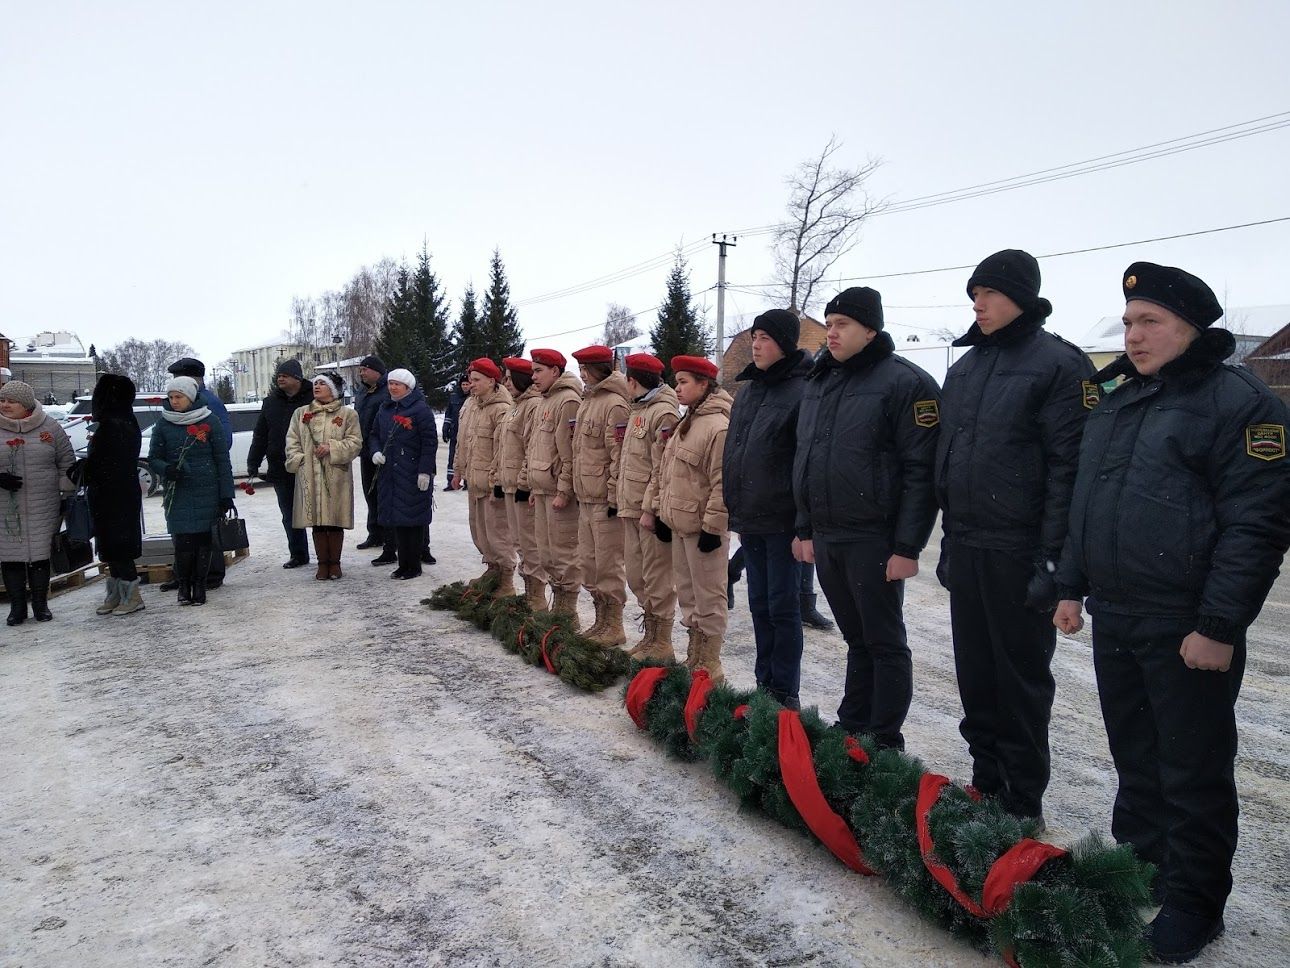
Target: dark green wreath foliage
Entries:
(1079, 910)
(577, 660)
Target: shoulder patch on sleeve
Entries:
(927, 413)
(1265, 441)
(1092, 394)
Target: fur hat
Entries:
(19, 392)
(403, 376)
(184, 384)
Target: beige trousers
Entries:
(649, 569)
(520, 517)
(557, 538)
(701, 583)
(600, 553)
(491, 532)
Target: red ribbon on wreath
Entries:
(641, 690)
(547, 659)
(700, 685)
(797, 768)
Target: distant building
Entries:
(255, 365)
(1270, 361)
(53, 363)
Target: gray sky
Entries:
(180, 170)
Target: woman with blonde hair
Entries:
(323, 439)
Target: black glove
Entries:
(943, 565)
(252, 471)
(521, 496)
(708, 542)
(1041, 590)
(173, 473)
(447, 434)
(226, 504)
(497, 491)
(612, 512)
(10, 482)
(662, 532)
(76, 473)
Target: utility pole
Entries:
(723, 243)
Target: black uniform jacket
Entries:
(269, 441)
(368, 406)
(1182, 502)
(1012, 413)
(866, 441)
(757, 465)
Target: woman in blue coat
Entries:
(403, 449)
(190, 451)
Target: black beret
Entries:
(1174, 289)
(861, 303)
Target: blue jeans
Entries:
(773, 589)
(297, 540)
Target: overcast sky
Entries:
(182, 171)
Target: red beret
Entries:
(594, 354)
(548, 358)
(517, 364)
(643, 361)
(485, 366)
(694, 364)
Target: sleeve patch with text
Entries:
(927, 413)
(1265, 441)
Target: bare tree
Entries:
(362, 305)
(144, 363)
(827, 207)
(620, 325)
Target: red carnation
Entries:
(199, 431)
(15, 442)
(337, 421)
(404, 422)
(307, 416)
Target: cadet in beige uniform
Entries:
(512, 476)
(550, 470)
(478, 438)
(652, 416)
(692, 511)
(597, 438)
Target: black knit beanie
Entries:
(782, 326)
(374, 363)
(1012, 272)
(861, 303)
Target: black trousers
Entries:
(408, 543)
(870, 613)
(123, 569)
(367, 473)
(1003, 652)
(1172, 732)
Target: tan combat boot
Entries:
(647, 623)
(489, 572)
(565, 603)
(659, 648)
(598, 604)
(710, 657)
(692, 648)
(611, 634)
(535, 594)
(505, 585)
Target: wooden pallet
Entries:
(154, 574)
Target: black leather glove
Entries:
(173, 473)
(521, 496)
(708, 542)
(1041, 590)
(447, 433)
(612, 512)
(497, 491)
(226, 504)
(943, 565)
(10, 482)
(662, 532)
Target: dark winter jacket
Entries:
(1012, 413)
(757, 475)
(368, 404)
(207, 398)
(1181, 505)
(866, 442)
(111, 470)
(408, 452)
(456, 400)
(192, 503)
(269, 441)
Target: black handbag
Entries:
(229, 533)
(67, 553)
(80, 527)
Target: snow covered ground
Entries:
(308, 773)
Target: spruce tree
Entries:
(468, 341)
(679, 331)
(500, 327)
(429, 314)
(396, 342)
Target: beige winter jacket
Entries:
(598, 438)
(510, 469)
(649, 421)
(551, 444)
(688, 481)
(481, 423)
(324, 494)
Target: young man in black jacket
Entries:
(270, 441)
(1013, 410)
(370, 394)
(1179, 521)
(757, 481)
(862, 477)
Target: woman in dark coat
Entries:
(403, 448)
(111, 473)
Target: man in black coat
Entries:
(371, 394)
(457, 394)
(270, 441)
(1179, 521)
(1012, 412)
(757, 483)
(862, 478)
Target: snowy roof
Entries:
(1254, 322)
(61, 345)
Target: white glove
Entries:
(378, 458)
(423, 482)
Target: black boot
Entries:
(15, 586)
(201, 572)
(38, 579)
(1176, 937)
(811, 616)
(184, 577)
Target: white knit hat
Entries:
(402, 376)
(185, 385)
